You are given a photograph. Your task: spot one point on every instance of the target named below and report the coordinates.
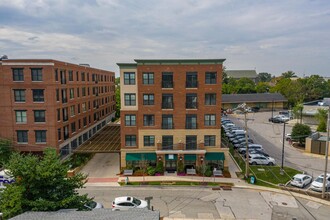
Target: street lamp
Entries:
(327, 101)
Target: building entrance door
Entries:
(170, 166)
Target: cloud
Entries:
(270, 35)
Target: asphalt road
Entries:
(270, 136)
(204, 203)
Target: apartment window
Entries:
(167, 80)
(167, 101)
(191, 142)
(71, 93)
(82, 76)
(58, 114)
(72, 110)
(191, 121)
(79, 124)
(21, 116)
(78, 107)
(210, 99)
(148, 78)
(167, 122)
(22, 136)
(129, 78)
(149, 141)
(57, 95)
(59, 134)
(38, 95)
(209, 120)
(73, 127)
(83, 91)
(210, 78)
(209, 140)
(66, 132)
(36, 74)
(64, 96)
(167, 142)
(40, 136)
(130, 99)
(70, 75)
(39, 116)
(191, 101)
(19, 95)
(191, 80)
(148, 99)
(130, 120)
(83, 106)
(85, 121)
(130, 140)
(63, 76)
(56, 75)
(77, 76)
(88, 77)
(65, 114)
(148, 120)
(18, 74)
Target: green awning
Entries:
(215, 156)
(190, 157)
(140, 156)
(171, 157)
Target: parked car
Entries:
(128, 202)
(260, 152)
(275, 119)
(242, 150)
(257, 159)
(301, 180)
(288, 137)
(317, 184)
(94, 205)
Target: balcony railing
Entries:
(181, 146)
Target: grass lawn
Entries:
(267, 173)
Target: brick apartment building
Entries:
(53, 103)
(171, 111)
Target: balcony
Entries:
(180, 147)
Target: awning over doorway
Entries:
(190, 157)
(215, 156)
(140, 156)
(171, 157)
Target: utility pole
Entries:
(247, 147)
(281, 170)
(326, 154)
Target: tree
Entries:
(300, 132)
(224, 75)
(41, 185)
(264, 77)
(322, 117)
(5, 151)
(289, 74)
(297, 111)
(262, 87)
(244, 86)
(117, 97)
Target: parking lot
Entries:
(270, 136)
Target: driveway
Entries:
(270, 136)
(102, 165)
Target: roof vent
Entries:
(3, 57)
(84, 64)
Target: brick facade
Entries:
(179, 70)
(96, 103)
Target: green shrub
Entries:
(151, 170)
(180, 167)
(160, 167)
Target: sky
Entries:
(265, 35)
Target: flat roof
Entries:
(171, 62)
